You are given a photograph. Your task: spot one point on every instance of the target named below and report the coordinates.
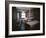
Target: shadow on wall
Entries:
(12, 37)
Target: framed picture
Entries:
(24, 18)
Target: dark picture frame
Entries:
(7, 18)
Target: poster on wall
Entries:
(24, 18)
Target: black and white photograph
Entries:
(25, 18)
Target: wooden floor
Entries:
(28, 27)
